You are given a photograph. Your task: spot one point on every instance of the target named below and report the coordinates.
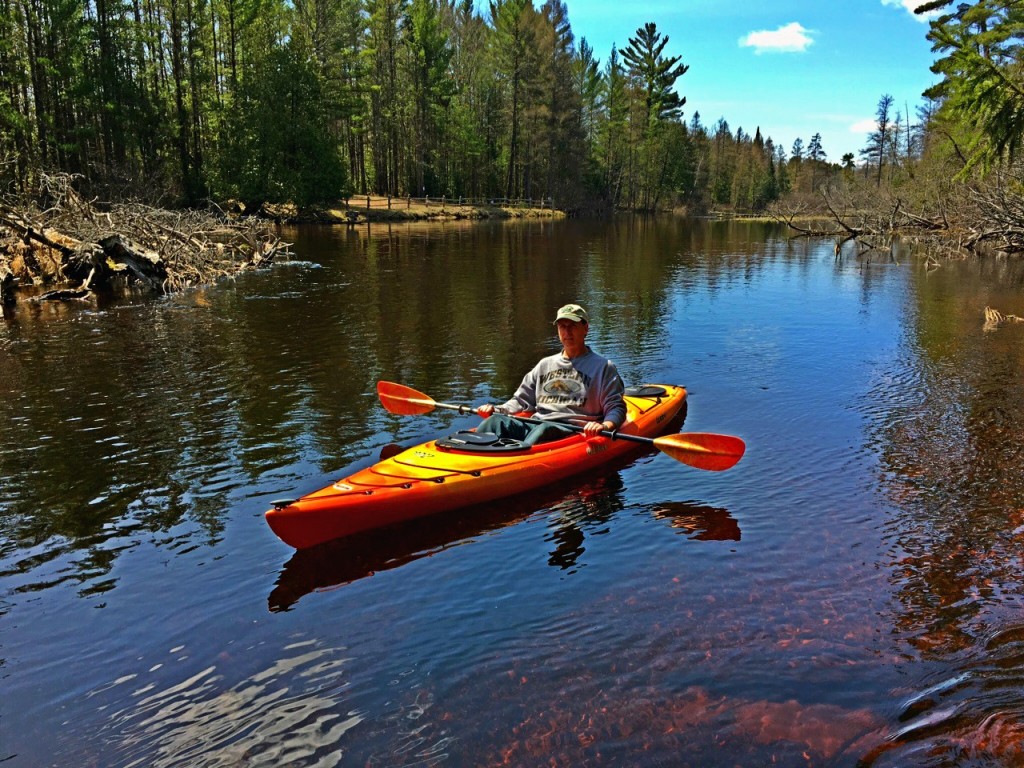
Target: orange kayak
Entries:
(459, 470)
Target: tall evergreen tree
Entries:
(514, 43)
(879, 139)
(474, 125)
(645, 60)
(816, 156)
(982, 66)
(429, 57)
(652, 76)
(387, 102)
(613, 138)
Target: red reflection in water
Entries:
(692, 722)
(700, 521)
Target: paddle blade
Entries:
(703, 450)
(402, 400)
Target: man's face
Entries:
(571, 334)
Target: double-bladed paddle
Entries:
(702, 450)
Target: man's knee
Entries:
(545, 433)
(503, 426)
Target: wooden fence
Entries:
(387, 202)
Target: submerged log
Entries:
(66, 294)
(994, 318)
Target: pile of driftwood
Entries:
(983, 216)
(74, 248)
(871, 219)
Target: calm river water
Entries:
(849, 594)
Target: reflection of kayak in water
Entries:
(459, 470)
(565, 504)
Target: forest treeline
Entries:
(306, 101)
(178, 101)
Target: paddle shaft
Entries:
(613, 434)
(700, 450)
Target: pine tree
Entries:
(428, 57)
(816, 156)
(982, 66)
(514, 44)
(656, 73)
(879, 139)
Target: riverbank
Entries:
(362, 209)
(77, 249)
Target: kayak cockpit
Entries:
(471, 441)
(480, 442)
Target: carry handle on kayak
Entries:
(701, 450)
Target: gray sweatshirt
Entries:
(587, 386)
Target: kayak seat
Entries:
(480, 442)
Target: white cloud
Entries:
(910, 5)
(791, 38)
(864, 126)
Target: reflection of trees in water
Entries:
(139, 439)
(185, 401)
(948, 425)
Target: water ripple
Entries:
(291, 713)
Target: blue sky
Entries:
(791, 67)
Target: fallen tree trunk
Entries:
(142, 265)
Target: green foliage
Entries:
(656, 74)
(275, 145)
(308, 100)
(982, 67)
(429, 56)
(587, 76)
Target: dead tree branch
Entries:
(114, 247)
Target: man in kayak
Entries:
(575, 385)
